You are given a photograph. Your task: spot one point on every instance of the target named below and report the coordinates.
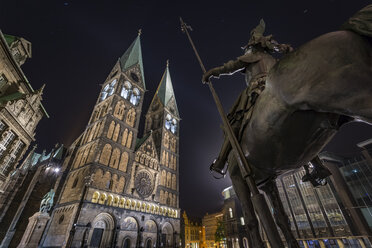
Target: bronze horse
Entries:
(309, 94)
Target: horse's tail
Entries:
(361, 22)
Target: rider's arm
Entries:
(230, 67)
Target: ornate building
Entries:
(210, 224)
(20, 110)
(235, 232)
(193, 233)
(122, 191)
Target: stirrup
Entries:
(218, 171)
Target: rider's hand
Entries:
(211, 73)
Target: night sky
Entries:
(75, 44)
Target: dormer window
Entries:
(135, 97)
(126, 90)
(108, 90)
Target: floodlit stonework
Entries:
(121, 190)
(20, 108)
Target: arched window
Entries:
(131, 117)
(105, 155)
(163, 178)
(123, 162)
(110, 131)
(92, 153)
(173, 127)
(116, 132)
(129, 140)
(104, 92)
(119, 110)
(126, 90)
(161, 197)
(112, 87)
(174, 182)
(124, 137)
(168, 119)
(231, 213)
(135, 97)
(166, 140)
(108, 90)
(169, 180)
(114, 161)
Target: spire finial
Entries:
(167, 62)
(139, 32)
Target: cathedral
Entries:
(122, 190)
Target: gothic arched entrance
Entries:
(126, 243)
(129, 230)
(148, 243)
(101, 234)
(167, 235)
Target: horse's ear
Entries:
(262, 23)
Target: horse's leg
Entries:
(244, 195)
(280, 215)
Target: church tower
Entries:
(163, 119)
(114, 194)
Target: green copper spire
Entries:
(165, 89)
(133, 56)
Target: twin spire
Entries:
(165, 89)
(133, 56)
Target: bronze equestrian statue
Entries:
(293, 107)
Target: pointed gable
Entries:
(165, 92)
(133, 56)
(147, 145)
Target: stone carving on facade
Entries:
(129, 224)
(144, 183)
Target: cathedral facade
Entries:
(122, 190)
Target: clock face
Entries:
(143, 184)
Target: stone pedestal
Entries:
(34, 230)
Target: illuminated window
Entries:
(135, 97)
(231, 213)
(168, 121)
(108, 90)
(2, 126)
(242, 221)
(173, 126)
(126, 90)
(6, 141)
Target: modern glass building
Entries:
(338, 214)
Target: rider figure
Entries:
(255, 63)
